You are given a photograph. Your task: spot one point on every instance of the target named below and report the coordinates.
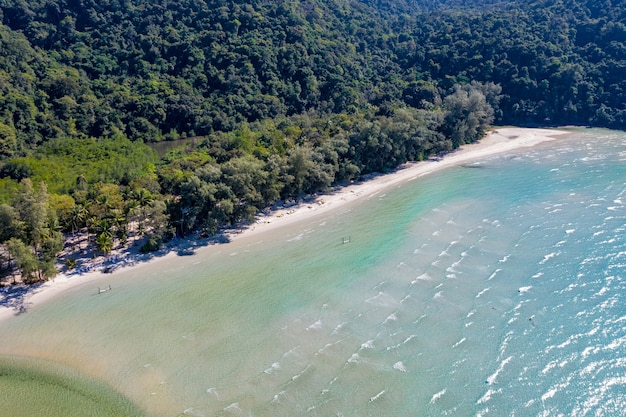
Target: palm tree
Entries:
(104, 226)
(78, 220)
(104, 239)
(92, 227)
(75, 218)
(130, 208)
(105, 201)
(120, 222)
(144, 198)
(104, 242)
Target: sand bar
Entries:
(498, 141)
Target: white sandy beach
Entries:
(500, 140)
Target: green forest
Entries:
(264, 101)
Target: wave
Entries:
(355, 358)
(399, 366)
(438, 395)
(484, 290)
(301, 373)
(278, 396)
(213, 391)
(377, 396)
(423, 277)
(459, 342)
(549, 256)
(273, 368)
(193, 412)
(315, 326)
(493, 275)
(493, 378)
(233, 408)
(487, 395)
(391, 317)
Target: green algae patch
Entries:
(33, 387)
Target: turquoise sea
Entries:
(491, 289)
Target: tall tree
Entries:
(25, 260)
(31, 206)
(10, 225)
(41, 232)
(468, 115)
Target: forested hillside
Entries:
(281, 97)
(154, 70)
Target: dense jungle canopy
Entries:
(280, 97)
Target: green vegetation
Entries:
(282, 98)
(34, 388)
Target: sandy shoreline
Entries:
(499, 140)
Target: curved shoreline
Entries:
(497, 141)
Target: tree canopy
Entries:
(154, 70)
(276, 99)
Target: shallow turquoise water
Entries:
(489, 289)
